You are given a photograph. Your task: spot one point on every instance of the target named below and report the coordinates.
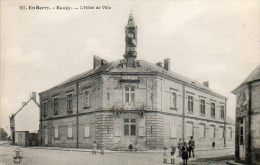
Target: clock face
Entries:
(130, 35)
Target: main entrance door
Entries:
(242, 138)
(129, 131)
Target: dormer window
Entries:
(69, 103)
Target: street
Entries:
(54, 156)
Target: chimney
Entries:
(206, 83)
(96, 61)
(103, 61)
(33, 96)
(166, 64)
(159, 64)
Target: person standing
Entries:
(172, 154)
(191, 146)
(165, 155)
(179, 147)
(94, 151)
(102, 148)
(213, 144)
(185, 156)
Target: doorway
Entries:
(130, 131)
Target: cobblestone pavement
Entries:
(33, 156)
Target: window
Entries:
(241, 131)
(44, 109)
(202, 107)
(86, 131)
(173, 129)
(86, 98)
(129, 94)
(222, 111)
(202, 130)
(173, 100)
(190, 104)
(213, 107)
(130, 127)
(20, 138)
(56, 132)
(70, 131)
(69, 102)
(56, 105)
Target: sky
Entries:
(206, 40)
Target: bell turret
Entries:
(131, 41)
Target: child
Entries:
(94, 147)
(185, 155)
(173, 149)
(165, 155)
(102, 148)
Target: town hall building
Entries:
(131, 101)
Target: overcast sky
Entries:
(209, 40)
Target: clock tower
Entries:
(130, 41)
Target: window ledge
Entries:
(189, 112)
(202, 115)
(86, 107)
(173, 137)
(69, 137)
(173, 108)
(56, 138)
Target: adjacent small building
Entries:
(247, 141)
(24, 123)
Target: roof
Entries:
(142, 67)
(254, 76)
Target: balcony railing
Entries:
(128, 106)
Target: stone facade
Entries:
(248, 119)
(135, 102)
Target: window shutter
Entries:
(56, 132)
(70, 131)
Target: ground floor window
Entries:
(130, 127)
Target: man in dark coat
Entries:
(191, 146)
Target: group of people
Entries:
(185, 150)
(102, 148)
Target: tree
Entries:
(3, 134)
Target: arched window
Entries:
(202, 130)
(212, 131)
(189, 129)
